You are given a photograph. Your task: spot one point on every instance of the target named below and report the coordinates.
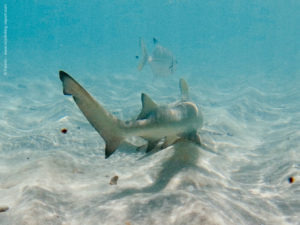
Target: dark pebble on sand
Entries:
(3, 208)
(64, 130)
(291, 180)
(114, 180)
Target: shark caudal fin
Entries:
(144, 58)
(184, 90)
(107, 125)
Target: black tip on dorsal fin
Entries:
(155, 41)
(147, 102)
(148, 105)
(184, 89)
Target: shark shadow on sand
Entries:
(184, 157)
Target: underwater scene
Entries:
(150, 112)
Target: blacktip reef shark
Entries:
(162, 62)
(155, 123)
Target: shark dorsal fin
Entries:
(184, 89)
(147, 106)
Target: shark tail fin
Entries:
(144, 55)
(184, 89)
(107, 125)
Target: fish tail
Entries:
(108, 126)
(144, 58)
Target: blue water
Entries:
(241, 61)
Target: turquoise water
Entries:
(241, 61)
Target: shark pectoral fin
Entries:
(139, 148)
(184, 89)
(169, 140)
(148, 105)
(196, 139)
(193, 136)
(151, 145)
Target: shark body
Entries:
(169, 122)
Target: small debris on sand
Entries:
(114, 180)
(76, 170)
(291, 180)
(3, 209)
(64, 130)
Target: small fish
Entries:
(162, 62)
